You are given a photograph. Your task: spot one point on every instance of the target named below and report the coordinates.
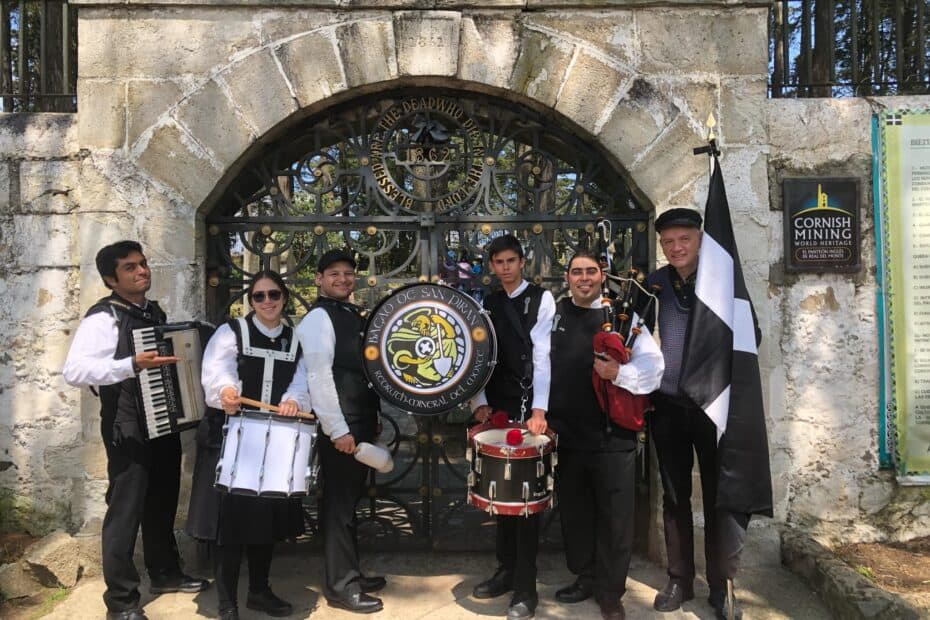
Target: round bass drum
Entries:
(428, 348)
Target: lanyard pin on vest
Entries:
(617, 336)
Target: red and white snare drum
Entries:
(510, 479)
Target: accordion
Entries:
(170, 397)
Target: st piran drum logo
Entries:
(427, 348)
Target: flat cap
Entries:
(688, 218)
(337, 255)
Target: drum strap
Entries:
(526, 381)
(269, 355)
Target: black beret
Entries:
(334, 256)
(688, 218)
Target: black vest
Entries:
(119, 402)
(359, 403)
(574, 412)
(251, 369)
(514, 355)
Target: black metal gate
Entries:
(415, 183)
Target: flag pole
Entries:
(711, 149)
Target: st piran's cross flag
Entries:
(720, 366)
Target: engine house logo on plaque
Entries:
(428, 348)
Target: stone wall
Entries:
(173, 99)
(823, 371)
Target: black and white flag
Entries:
(720, 367)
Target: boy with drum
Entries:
(522, 316)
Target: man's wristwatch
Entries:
(135, 367)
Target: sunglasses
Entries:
(259, 297)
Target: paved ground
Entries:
(437, 586)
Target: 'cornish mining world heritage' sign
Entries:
(821, 224)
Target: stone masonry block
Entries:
(367, 49)
(167, 232)
(43, 240)
(487, 48)
(49, 186)
(174, 160)
(161, 44)
(613, 32)
(147, 100)
(311, 63)
(742, 111)
(215, 123)
(427, 42)
(101, 114)
(669, 164)
(541, 66)
(640, 117)
(278, 25)
(260, 91)
(703, 41)
(4, 188)
(590, 86)
(38, 135)
(97, 229)
(40, 296)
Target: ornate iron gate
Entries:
(415, 183)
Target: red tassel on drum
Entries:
(514, 437)
(500, 419)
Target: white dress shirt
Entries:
(220, 368)
(643, 373)
(540, 335)
(318, 341)
(90, 359)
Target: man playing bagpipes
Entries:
(595, 374)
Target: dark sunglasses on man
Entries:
(259, 296)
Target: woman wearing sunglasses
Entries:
(237, 523)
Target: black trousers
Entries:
(227, 559)
(517, 546)
(343, 485)
(596, 500)
(144, 481)
(678, 433)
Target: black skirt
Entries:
(226, 518)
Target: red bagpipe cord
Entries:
(625, 409)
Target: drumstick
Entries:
(257, 403)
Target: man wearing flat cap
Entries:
(680, 428)
(347, 408)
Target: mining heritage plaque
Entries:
(821, 225)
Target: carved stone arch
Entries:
(204, 136)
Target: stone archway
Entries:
(197, 139)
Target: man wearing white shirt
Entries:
(595, 478)
(347, 408)
(144, 475)
(522, 316)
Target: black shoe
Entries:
(179, 582)
(229, 614)
(129, 614)
(672, 596)
(500, 583)
(612, 610)
(522, 606)
(718, 600)
(575, 593)
(267, 602)
(359, 602)
(371, 584)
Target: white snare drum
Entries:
(266, 455)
